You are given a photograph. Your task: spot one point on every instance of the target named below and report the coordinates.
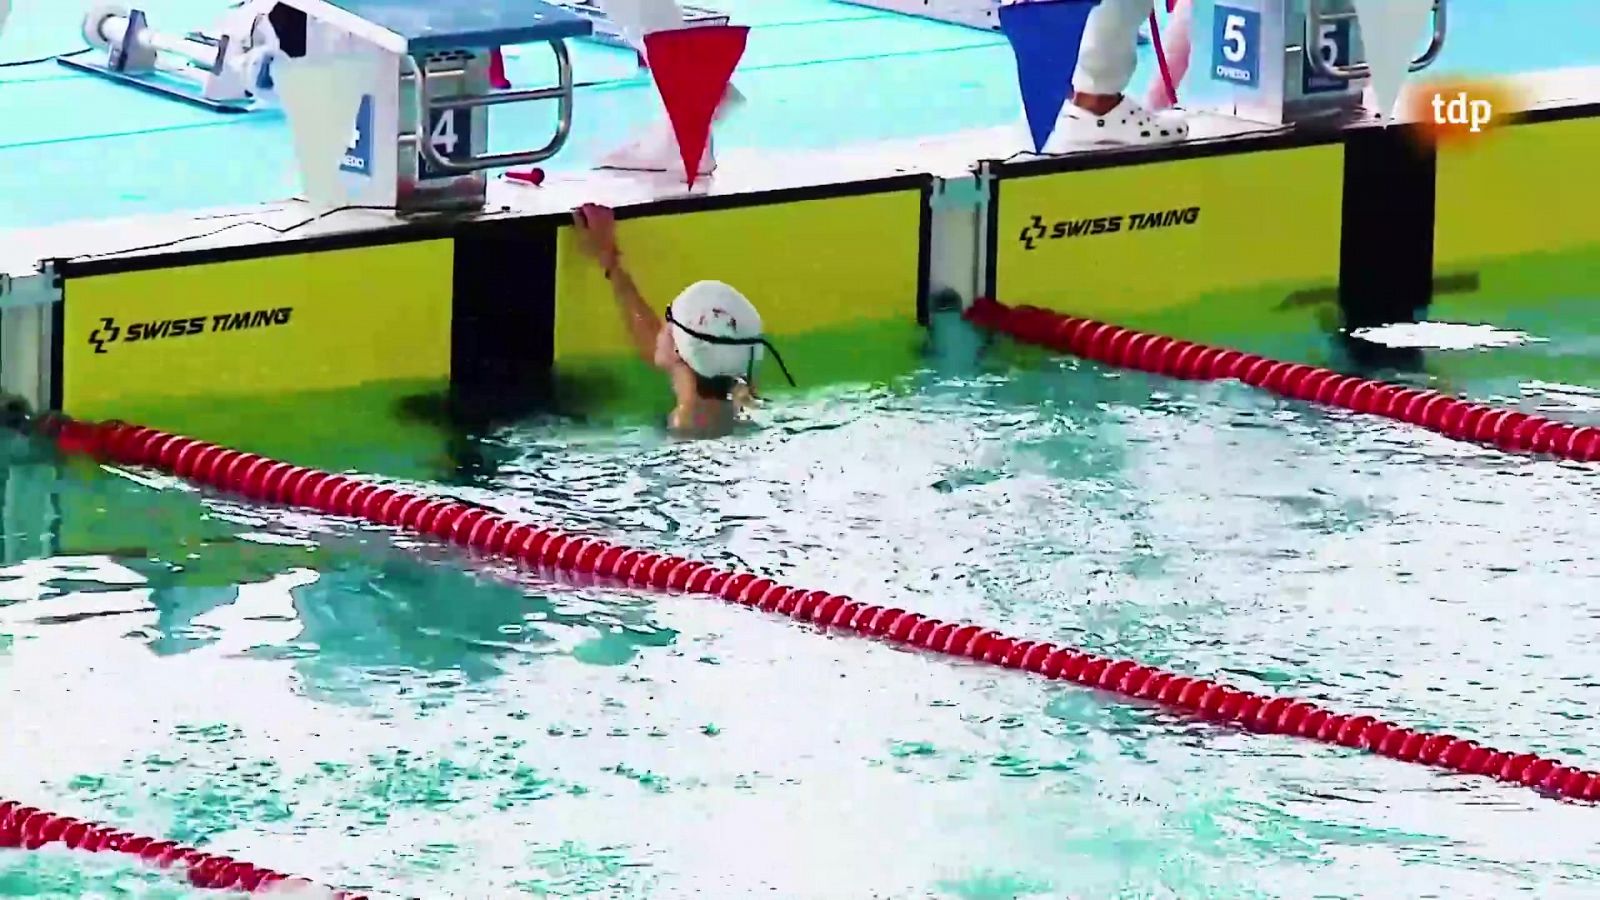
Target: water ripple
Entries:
(381, 710)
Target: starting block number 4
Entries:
(450, 133)
(1236, 46)
(1333, 43)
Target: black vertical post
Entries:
(502, 340)
(1386, 252)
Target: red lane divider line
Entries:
(270, 481)
(1452, 417)
(28, 828)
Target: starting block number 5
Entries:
(450, 133)
(1236, 46)
(1333, 44)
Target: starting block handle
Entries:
(563, 92)
(1316, 18)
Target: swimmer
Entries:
(1100, 111)
(1176, 41)
(708, 343)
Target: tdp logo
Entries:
(1038, 231)
(109, 332)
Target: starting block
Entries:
(419, 141)
(223, 73)
(1283, 62)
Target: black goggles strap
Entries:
(736, 342)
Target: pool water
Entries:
(393, 715)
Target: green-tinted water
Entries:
(364, 708)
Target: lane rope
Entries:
(265, 480)
(1462, 420)
(29, 828)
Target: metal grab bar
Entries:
(563, 92)
(1316, 18)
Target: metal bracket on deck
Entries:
(41, 288)
(1317, 18)
(221, 72)
(27, 334)
(958, 209)
(970, 193)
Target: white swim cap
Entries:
(705, 311)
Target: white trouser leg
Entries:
(1109, 52)
(1106, 63)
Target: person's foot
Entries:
(1113, 119)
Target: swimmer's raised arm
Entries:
(596, 230)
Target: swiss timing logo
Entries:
(107, 333)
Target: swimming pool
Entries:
(389, 714)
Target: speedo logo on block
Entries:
(111, 331)
(1038, 230)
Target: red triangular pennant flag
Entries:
(692, 68)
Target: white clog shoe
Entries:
(1127, 123)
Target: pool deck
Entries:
(78, 148)
(743, 170)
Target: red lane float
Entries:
(270, 481)
(1452, 417)
(27, 828)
